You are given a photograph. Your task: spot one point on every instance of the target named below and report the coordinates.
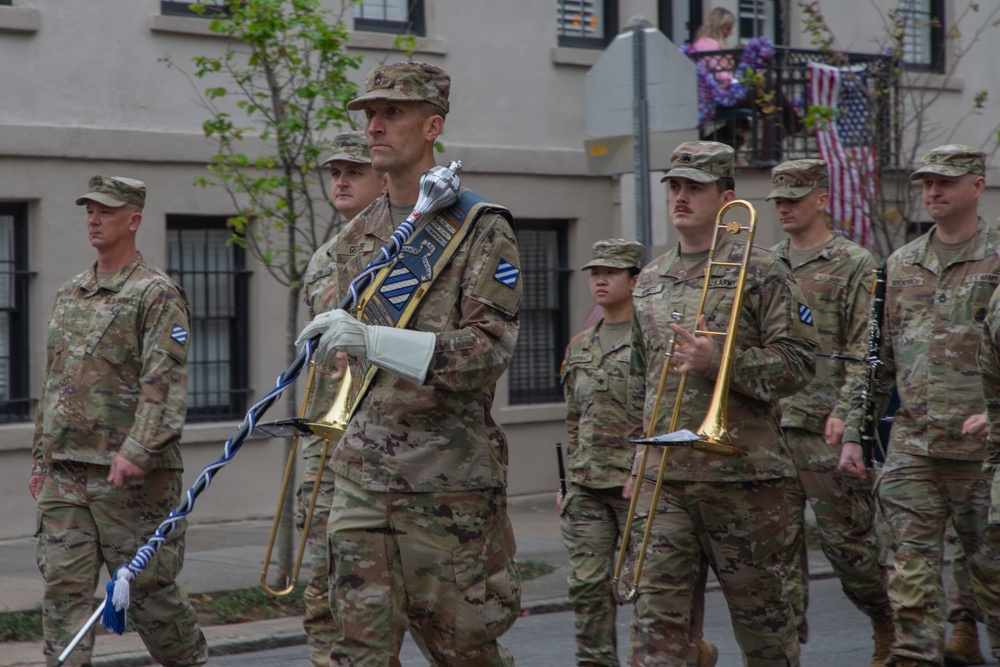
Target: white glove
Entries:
(337, 331)
(405, 352)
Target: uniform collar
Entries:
(982, 245)
(113, 284)
(827, 251)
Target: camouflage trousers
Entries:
(440, 564)
(918, 495)
(962, 605)
(592, 521)
(83, 522)
(795, 565)
(741, 528)
(320, 626)
(844, 507)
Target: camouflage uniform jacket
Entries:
(931, 336)
(775, 356)
(439, 436)
(116, 375)
(837, 283)
(595, 385)
(989, 369)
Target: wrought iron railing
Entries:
(770, 124)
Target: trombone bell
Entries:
(333, 424)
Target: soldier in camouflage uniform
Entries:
(835, 274)
(354, 184)
(594, 512)
(419, 531)
(938, 288)
(106, 465)
(727, 512)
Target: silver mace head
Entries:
(439, 187)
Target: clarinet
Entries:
(562, 469)
(873, 361)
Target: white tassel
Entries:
(120, 598)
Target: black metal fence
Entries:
(770, 124)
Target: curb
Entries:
(286, 638)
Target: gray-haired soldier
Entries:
(106, 466)
(835, 275)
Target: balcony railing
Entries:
(769, 125)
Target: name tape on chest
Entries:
(906, 282)
(831, 279)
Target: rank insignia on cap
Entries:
(805, 314)
(507, 273)
(179, 334)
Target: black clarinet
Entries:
(873, 361)
(562, 469)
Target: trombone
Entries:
(330, 427)
(712, 436)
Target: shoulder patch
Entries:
(507, 273)
(805, 314)
(498, 283)
(179, 334)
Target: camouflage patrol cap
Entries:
(797, 178)
(406, 82)
(114, 191)
(349, 147)
(952, 160)
(701, 161)
(617, 254)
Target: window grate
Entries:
(541, 344)
(15, 403)
(212, 271)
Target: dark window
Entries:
(534, 370)
(213, 8)
(588, 24)
(399, 17)
(212, 271)
(760, 18)
(14, 401)
(6, 2)
(922, 23)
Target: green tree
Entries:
(279, 88)
(896, 203)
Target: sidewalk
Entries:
(229, 556)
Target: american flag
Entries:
(847, 144)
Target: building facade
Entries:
(87, 92)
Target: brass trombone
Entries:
(330, 427)
(712, 436)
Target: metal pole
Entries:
(640, 135)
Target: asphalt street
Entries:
(840, 636)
